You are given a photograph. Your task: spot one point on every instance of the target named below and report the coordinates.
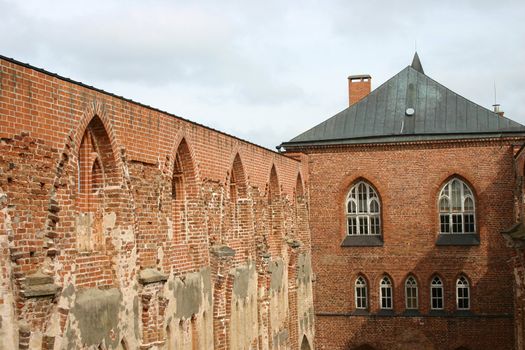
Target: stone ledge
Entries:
(147, 276)
(42, 290)
(222, 251)
(39, 285)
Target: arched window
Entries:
(457, 211)
(462, 294)
(361, 293)
(363, 210)
(385, 289)
(436, 294)
(411, 293)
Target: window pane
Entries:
(457, 223)
(444, 204)
(363, 225)
(362, 198)
(469, 223)
(374, 225)
(351, 207)
(352, 226)
(455, 195)
(374, 206)
(466, 190)
(445, 223)
(468, 205)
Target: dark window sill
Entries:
(386, 312)
(362, 241)
(411, 313)
(438, 313)
(361, 312)
(465, 239)
(463, 313)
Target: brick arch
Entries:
(385, 274)
(180, 138)
(273, 185)
(434, 274)
(414, 275)
(349, 181)
(299, 186)
(95, 156)
(96, 110)
(183, 165)
(463, 178)
(369, 181)
(238, 175)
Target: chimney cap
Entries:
(359, 76)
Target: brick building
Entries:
(410, 189)
(125, 227)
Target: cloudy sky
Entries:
(267, 70)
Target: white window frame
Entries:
(438, 287)
(411, 283)
(363, 192)
(462, 283)
(361, 293)
(386, 288)
(447, 194)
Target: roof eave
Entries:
(388, 139)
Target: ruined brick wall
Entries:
(124, 227)
(408, 179)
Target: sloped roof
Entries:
(439, 113)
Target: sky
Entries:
(265, 71)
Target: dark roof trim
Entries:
(393, 139)
(75, 82)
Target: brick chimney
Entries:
(358, 87)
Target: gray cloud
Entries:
(269, 70)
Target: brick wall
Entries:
(142, 218)
(408, 179)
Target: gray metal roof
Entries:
(381, 116)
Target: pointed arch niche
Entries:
(183, 189)
(274, 212)
(236, 203)
(301, 210)
(97, 175)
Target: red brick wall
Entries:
(133, 217)
(408, 179)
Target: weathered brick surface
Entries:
(408, 178)
(95, 189)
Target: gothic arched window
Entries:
(457, 211)
(462, 294)
(411, 293)
(363, 210)
(361, 293)
(385, 293)
(436, 294)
